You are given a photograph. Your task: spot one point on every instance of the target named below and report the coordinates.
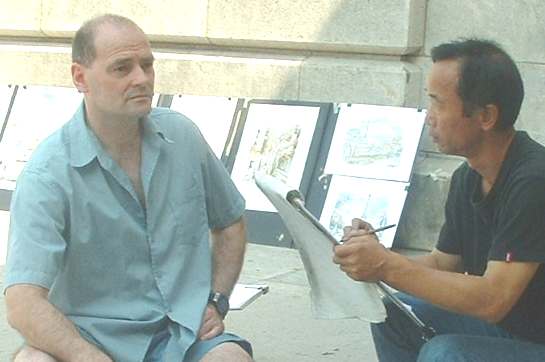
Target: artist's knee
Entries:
(31, 354)
(227, 352)
(443, 348)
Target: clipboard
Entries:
(244, 294)
(296, 200)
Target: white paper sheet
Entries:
(378, 202)
(375, 142)
(276, 141)
(333, 294)
(244, 294)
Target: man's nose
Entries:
(141, 76)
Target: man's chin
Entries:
(141, 112)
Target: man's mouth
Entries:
(140, 97)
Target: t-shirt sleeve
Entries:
(448, 236)
(520, 227)
(35, 244)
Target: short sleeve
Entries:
(37, 222)
(449, 240)
(224, 203)
(520, 226)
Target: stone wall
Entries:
(373, 51)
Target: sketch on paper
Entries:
(275, 141)
(272, 152)
(213, 116)
(375, 142)
(378, 202)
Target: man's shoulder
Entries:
(173, 124)
(167, 116)
(51, 153)
(528, 158)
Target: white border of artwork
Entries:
(37, 112)
(397, 128)
(376, 201)
(213, 115)
(275, 118)
(6, 92)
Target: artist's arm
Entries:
(228, 248)
(45, 328)
(489, 297)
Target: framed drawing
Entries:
(275, 141)
(376, 142)
(36, 113)
(376, 201)
(5, 98)
(213, 116)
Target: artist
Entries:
(483, 287)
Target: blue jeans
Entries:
(459, 338)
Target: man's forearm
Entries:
(46, 328)
(488, 297)
(228, 248)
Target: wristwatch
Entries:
(220, 302)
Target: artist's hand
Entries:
(212, 324)
(358, 227)
(362, 258)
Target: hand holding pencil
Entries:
(360, 227)
(361, 256)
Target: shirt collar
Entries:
(85, 145)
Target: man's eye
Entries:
(121, 68)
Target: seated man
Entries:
(482, 288)
(109, 252)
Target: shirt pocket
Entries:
(190, 217)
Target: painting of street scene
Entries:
(275, 141)
(378, 202)
(272, 153)
(375, 142)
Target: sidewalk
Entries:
(279, 324)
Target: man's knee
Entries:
(31, 354)
(227, 351)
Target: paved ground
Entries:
(278, 324)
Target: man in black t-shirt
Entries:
(483, 287)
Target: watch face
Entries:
(221, 303)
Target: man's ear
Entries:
(78, 77)
(489, 117)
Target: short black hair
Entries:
(487, 75)
(83, 44)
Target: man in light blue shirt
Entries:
(109, 254)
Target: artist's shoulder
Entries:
(527, 157)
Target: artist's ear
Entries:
(78, 77)
(489, 116)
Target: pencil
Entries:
(381, 229)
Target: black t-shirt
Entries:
(508, 224)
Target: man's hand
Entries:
(361, 256)
(359, 227)
(212, 324)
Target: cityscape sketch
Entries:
(275, 141)
(376, 201)
(376, 142)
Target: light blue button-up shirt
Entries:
(114, 268)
